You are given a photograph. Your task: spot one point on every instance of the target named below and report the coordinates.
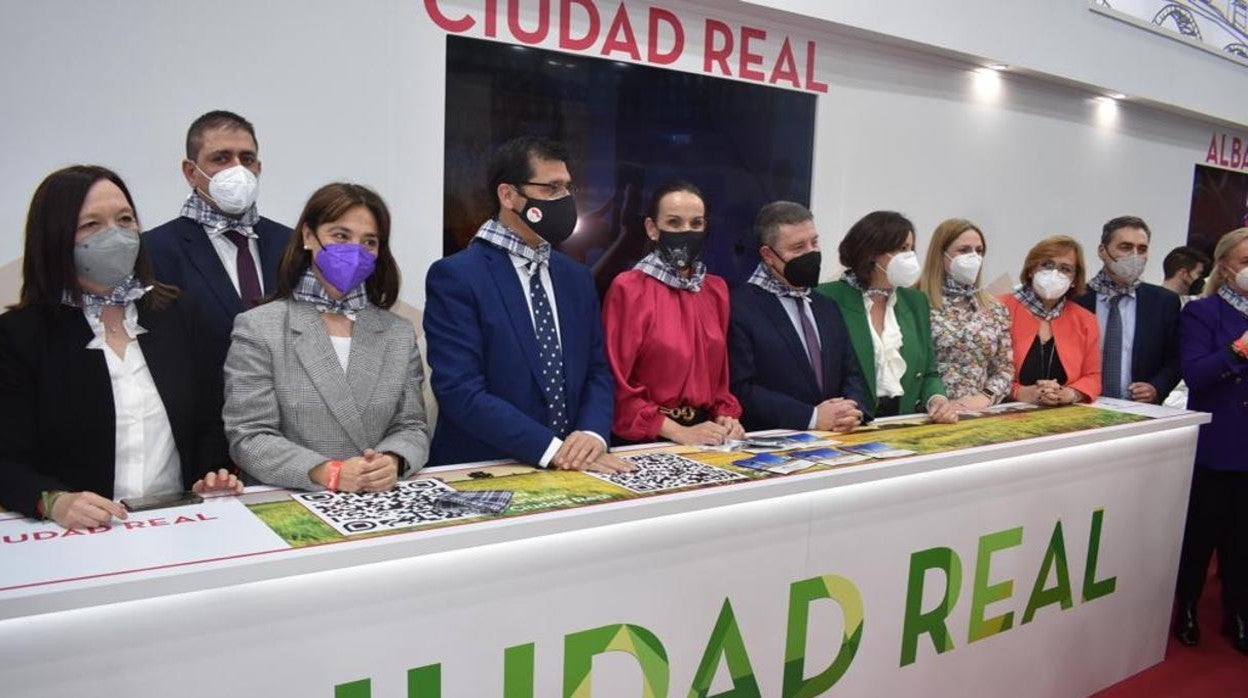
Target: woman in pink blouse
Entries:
(667, 333)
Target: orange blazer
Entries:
(1078, 344)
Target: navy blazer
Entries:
(770, 372)
(1217, 380)
(56, 399)
(183, 256)
(483, 357)
(1155, 350)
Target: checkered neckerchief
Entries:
(1237, 301)
(764, 279)
(653, 265)
(1102, 284)
(851, 278)
(953, 288)
(199, 211)
(1028, 297)
(124, 294)
(498, 235)
(309, 290)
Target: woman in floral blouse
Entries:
(970, 328)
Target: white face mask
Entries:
(1050, 284)
(1127, 268)
(965, 267)
(1241, 280)
(903, 269)
(233, 189)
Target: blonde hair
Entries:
(932, 281)
(1051, 247)
(1227, 243)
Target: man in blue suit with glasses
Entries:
(514, 329)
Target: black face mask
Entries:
(680, 249)
(802, 271)
(552, 220)
(1197, 286)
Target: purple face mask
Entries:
(345, 265)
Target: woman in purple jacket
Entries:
(1213, 345)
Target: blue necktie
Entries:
(1111, 351)
(549, 354)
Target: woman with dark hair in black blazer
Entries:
(105, 388)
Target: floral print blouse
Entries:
(974, 352)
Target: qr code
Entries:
(657, 472)
(409, 503)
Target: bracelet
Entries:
(331, 475)
(47, 500)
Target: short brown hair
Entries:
(328, 204)
(212, 120)
(1113, 225)
(876, 233)
(1055, 245)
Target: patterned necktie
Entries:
(1111, 351)
(248, 281)
(812, 342)
(549, 354)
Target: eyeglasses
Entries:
(1050, 265)
(555, 190)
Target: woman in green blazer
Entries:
(889, 322)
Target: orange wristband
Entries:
(331, 476)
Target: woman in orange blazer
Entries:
(1057, 355)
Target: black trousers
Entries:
(1217, 518)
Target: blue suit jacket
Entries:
(770, 371)
(483, 357)
(1155, 351)
(183, 256)
(1217, 381)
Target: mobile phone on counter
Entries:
(161, 501)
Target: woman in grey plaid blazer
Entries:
(323, 382)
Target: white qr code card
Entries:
(409, 503)
(657, 472)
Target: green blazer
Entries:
(921, 380)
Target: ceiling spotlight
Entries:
(998, 66)
(1117, 95)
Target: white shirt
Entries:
(889, 364)
(145, 455)
(228, 252)
(792, 306)
(543, 275)
(342, 347)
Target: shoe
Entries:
(1235, 627)
(1186, 631)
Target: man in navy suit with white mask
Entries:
(220, 248)
(514, 329)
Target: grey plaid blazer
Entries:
(289, 406)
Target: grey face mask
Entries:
(107, 257)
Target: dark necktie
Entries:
(248, 281)
(1111, 351)
(812, 342)
(550, 356)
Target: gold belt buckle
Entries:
(684, 413)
